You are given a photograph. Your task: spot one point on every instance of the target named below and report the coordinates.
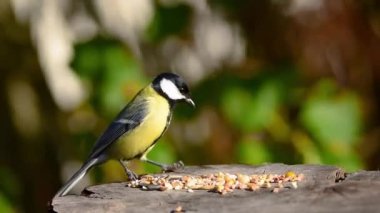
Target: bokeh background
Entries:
(292, 81)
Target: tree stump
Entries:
(323, 189)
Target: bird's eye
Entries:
(183, 90)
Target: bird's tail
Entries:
(76, 177)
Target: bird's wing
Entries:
(128, 119)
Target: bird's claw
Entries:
(132, 176)
(173, 167)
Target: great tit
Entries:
(136, 129)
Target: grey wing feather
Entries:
(128, 119)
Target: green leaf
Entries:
(251, 111)
(251, 151)
(236, 105)
(265, 104)
(332, 118)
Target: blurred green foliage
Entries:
(251, 110)
(333, 118)
(168, 20)
(9, 190)
(303, 92)
(114, 77)
(5, 205)
(163, 152)
(251, 151)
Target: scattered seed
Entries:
(178, 209)
(290, 174)
(220, 182)
(294, 184)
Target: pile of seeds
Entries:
(219, 182)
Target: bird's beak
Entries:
(191, 102)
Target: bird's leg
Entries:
(131, 175)
(165, 167)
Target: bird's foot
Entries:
(172, 167)
(132, 176)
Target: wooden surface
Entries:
(324, 189)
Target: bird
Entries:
(137, 128)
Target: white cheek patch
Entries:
(170, 89)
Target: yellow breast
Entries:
(136, 142)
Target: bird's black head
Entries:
(172, 87)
